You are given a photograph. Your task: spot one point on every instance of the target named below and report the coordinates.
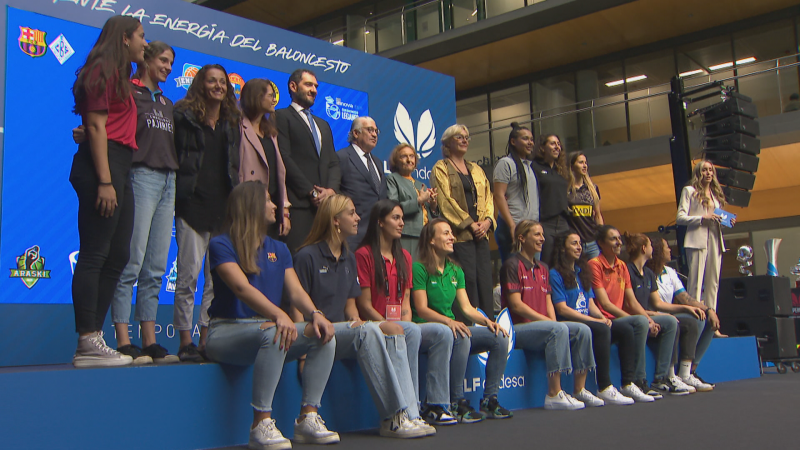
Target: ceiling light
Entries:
(339, 42)
(745, 61)
(721, 66)
(366, 32)
(474, 12)
(691, 72)
(629, 80)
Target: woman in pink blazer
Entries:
(259, 155)
(703, 243)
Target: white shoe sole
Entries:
(562, 407)
(418, 433)
(283, 445)
(88, 362)
(619, 403)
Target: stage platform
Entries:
(198, 406)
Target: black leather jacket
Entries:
(190, 146)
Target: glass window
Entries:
(427, 20)
(649, 117)
(754, 50)
(497, 7)
(597, 86)
(474, 113)
(711, 58)
(650, 70)
(463, 12)
(389, 32)
(552, 96)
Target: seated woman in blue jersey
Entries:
(573, 300)
(328, 273)
(438, 284)
(567, 345)
(384, 272)
(251, 272)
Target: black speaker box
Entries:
(732, 124)
(776, 334)
(734, 141)
(736, 178)
(756, 296)
(736, 197)
(733, 159)
(742, 106)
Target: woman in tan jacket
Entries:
(465, 200)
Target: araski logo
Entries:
(237, 82)
(187, 75)
(504, 320)
(30, 267)
(426, 131)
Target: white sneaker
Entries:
(429, 430)
(633, 391)
(692, 381)
(92, 351)
(312, 430)
(588, 398)
(401, 427)
(676, 380)
(265, 436)
(611, 396)
(564, 401)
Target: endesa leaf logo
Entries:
(426, 131)
(504, 320)
(185, 80)
(32, 42)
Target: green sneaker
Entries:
(465, 413)
(492, 409)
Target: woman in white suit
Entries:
(703, 243)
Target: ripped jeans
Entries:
(243, 342)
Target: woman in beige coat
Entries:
(703, 242)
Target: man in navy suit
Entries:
(362, 172)
(306, 145)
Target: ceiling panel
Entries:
(286, 13)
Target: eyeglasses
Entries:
(461, 137)
(372, 130)
(270, 95)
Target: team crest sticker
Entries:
(30, 267)
(185, 80)
(272, 257)
(172, 277)
(61, 49)
(32, 42)
(237, 82)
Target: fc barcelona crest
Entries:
(32, 42)
(272, 257)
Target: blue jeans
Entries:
(154, 197)
(630, 334)
(243, 342)
(437, 342)
(384, 364)
(662, 345)
(482, 340)
(590, 249)
(695, 337)
(413, 337)
(567, 345)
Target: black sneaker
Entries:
(465, 413)
(492, 409)
(702, 380)
(669, 386)
(437, 415)
(189, 353)
(135, 352)
(647, 390)
(159, 354)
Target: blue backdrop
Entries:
(46, 41)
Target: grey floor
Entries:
(750, 414)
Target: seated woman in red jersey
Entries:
(384, 273)
(566, 345)
(251, 273)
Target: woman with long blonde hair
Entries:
(584, 203)
(252, 272)
(328, 272)
(704, 243)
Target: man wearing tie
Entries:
(306, 145)
(362, 172)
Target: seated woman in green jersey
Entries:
(438, 284)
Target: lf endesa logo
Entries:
(504, 320)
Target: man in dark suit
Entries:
(306, 145)
(362, 172)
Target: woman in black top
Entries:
(550, 166)
(207, 143)
(584, 204)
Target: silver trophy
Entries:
(795, 270)
(771, 248)
(745, 257)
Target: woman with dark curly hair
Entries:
(550, 166)
(207, 142)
